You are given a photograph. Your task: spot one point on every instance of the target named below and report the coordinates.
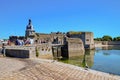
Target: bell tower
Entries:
(30, 32)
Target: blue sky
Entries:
(102, 17)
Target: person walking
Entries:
(3, 49)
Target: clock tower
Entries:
(30, 32)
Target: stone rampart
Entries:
(106, 43)
(114, 43)
(75, 47)
(45, 50)
(20, 51)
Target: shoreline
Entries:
(73, 66)
(107, 46)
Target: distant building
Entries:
(55, 37)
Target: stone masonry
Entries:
(40, 69)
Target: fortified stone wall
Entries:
(20, 51)
(55, 38)
(103, 43)
(45, 50)
(89, 40)
(42, 37)
(86, 37)
(75, 47)
(98, 43)
(114, 43)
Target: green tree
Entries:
(107, 38)
(116, 38)
(98, 39)
(37, 53)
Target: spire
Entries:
(30, 26)
(30, 22)
(29, 29)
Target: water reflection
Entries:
(82, 59)
(89, 56)
(105, 59)
(108, 48)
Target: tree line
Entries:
(107, 38)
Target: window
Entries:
(87, 39)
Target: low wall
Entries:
(74, 47)
(20, 52)
(114, 43)
(106, 43)
(45, 51)
(98, 43)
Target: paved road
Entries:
(39, 69)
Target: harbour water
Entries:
(105, 59)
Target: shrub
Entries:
(37, 53)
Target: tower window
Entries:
(87, 39)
